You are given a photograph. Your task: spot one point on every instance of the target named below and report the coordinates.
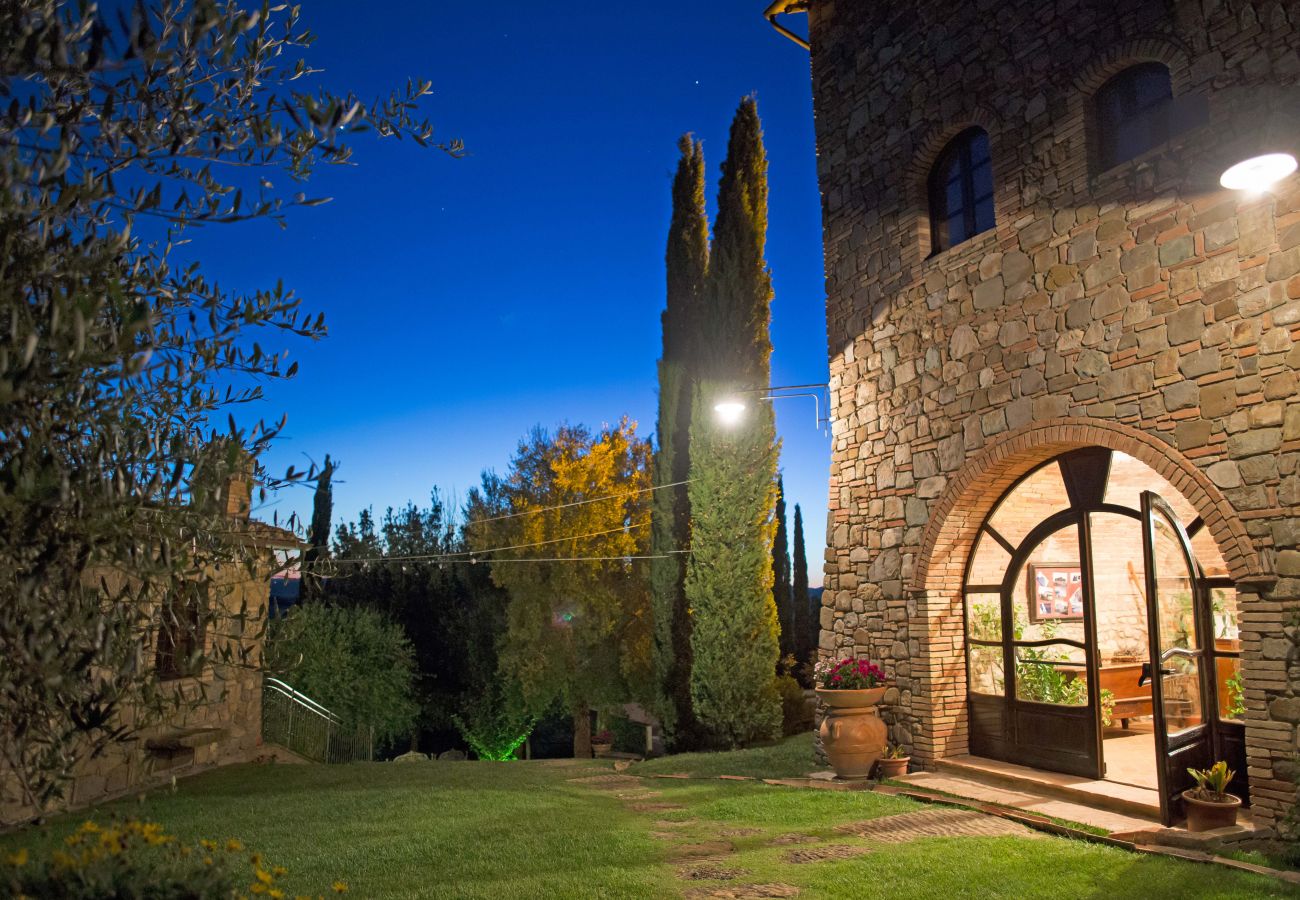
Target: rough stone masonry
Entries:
(1142, 308)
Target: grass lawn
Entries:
(565, 829)
(789, 758)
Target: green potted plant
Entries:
(1209, 805)
(602, 742)
(893, 763)
(852, 732)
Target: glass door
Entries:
(1177, 661)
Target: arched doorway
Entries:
(1101, 628)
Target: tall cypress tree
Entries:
(734, 630)
(318, 536)
(805, 622)
(781, 594)
(686, 260)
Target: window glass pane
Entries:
(1032, 501)
(983, 214)
(989, 562)
(1129, 477)
(1151, 86)
(1208, 554)
(1132, 111)
(1223, 607)
(984, 617)
(957, 229)
(1047, 597)
(1232, 705)
(952, 198)
(979, 148)
(1055, 674)
(985, 670)
(1119, 588)
(1179, 642)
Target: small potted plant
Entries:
(893, 763)
(1209, 805)
(602, 742)
(852, 732)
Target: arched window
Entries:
(961, 190)
(1133, 112)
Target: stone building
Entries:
(1063, 373)
(221, 719)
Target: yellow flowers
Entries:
(140, 855)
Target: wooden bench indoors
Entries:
(1132, 699)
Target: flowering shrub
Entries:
(603, 737)
(849, 674)
(138, 859)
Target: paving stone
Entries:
(821, 854)
(934, 823)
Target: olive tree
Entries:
(121, 362)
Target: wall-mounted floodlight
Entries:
(1259, 173)
(729, 411)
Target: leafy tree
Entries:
(318, 536)
(355, 662)
(450, 610)
(578, 621)
(734, 631)
(687, 262)
(805, 620)
(119, 133)
(781, 593)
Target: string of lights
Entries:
(533, 512)
(473, 555)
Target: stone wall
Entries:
(1142, 308)
(224, 697)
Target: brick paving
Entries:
(935, 823)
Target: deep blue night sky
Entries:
(471, 299)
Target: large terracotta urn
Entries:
(852, 731)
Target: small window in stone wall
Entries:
(180, 637)
(961, 190)
(1134, 113)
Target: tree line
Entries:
(601, 569)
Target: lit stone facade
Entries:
(1142, 308)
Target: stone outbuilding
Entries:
(219, 720)
(1064, 497)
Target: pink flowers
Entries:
(849, 674)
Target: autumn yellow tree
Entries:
(573, 514)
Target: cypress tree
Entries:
(686, 261)
(734, 630)
(781, 594)
(805, 621)
(318, 536)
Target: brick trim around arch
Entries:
(971, 492)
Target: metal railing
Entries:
(295, 721)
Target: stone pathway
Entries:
(936, 823)
(701, 852)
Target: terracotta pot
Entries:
(852, 732)
(1207, 815)
(892, 768)
(601, 749)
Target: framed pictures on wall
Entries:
(1055, 591)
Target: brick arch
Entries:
(1119, 57)
(957, 515)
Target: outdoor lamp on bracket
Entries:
(1264, 153)
(731, 408)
